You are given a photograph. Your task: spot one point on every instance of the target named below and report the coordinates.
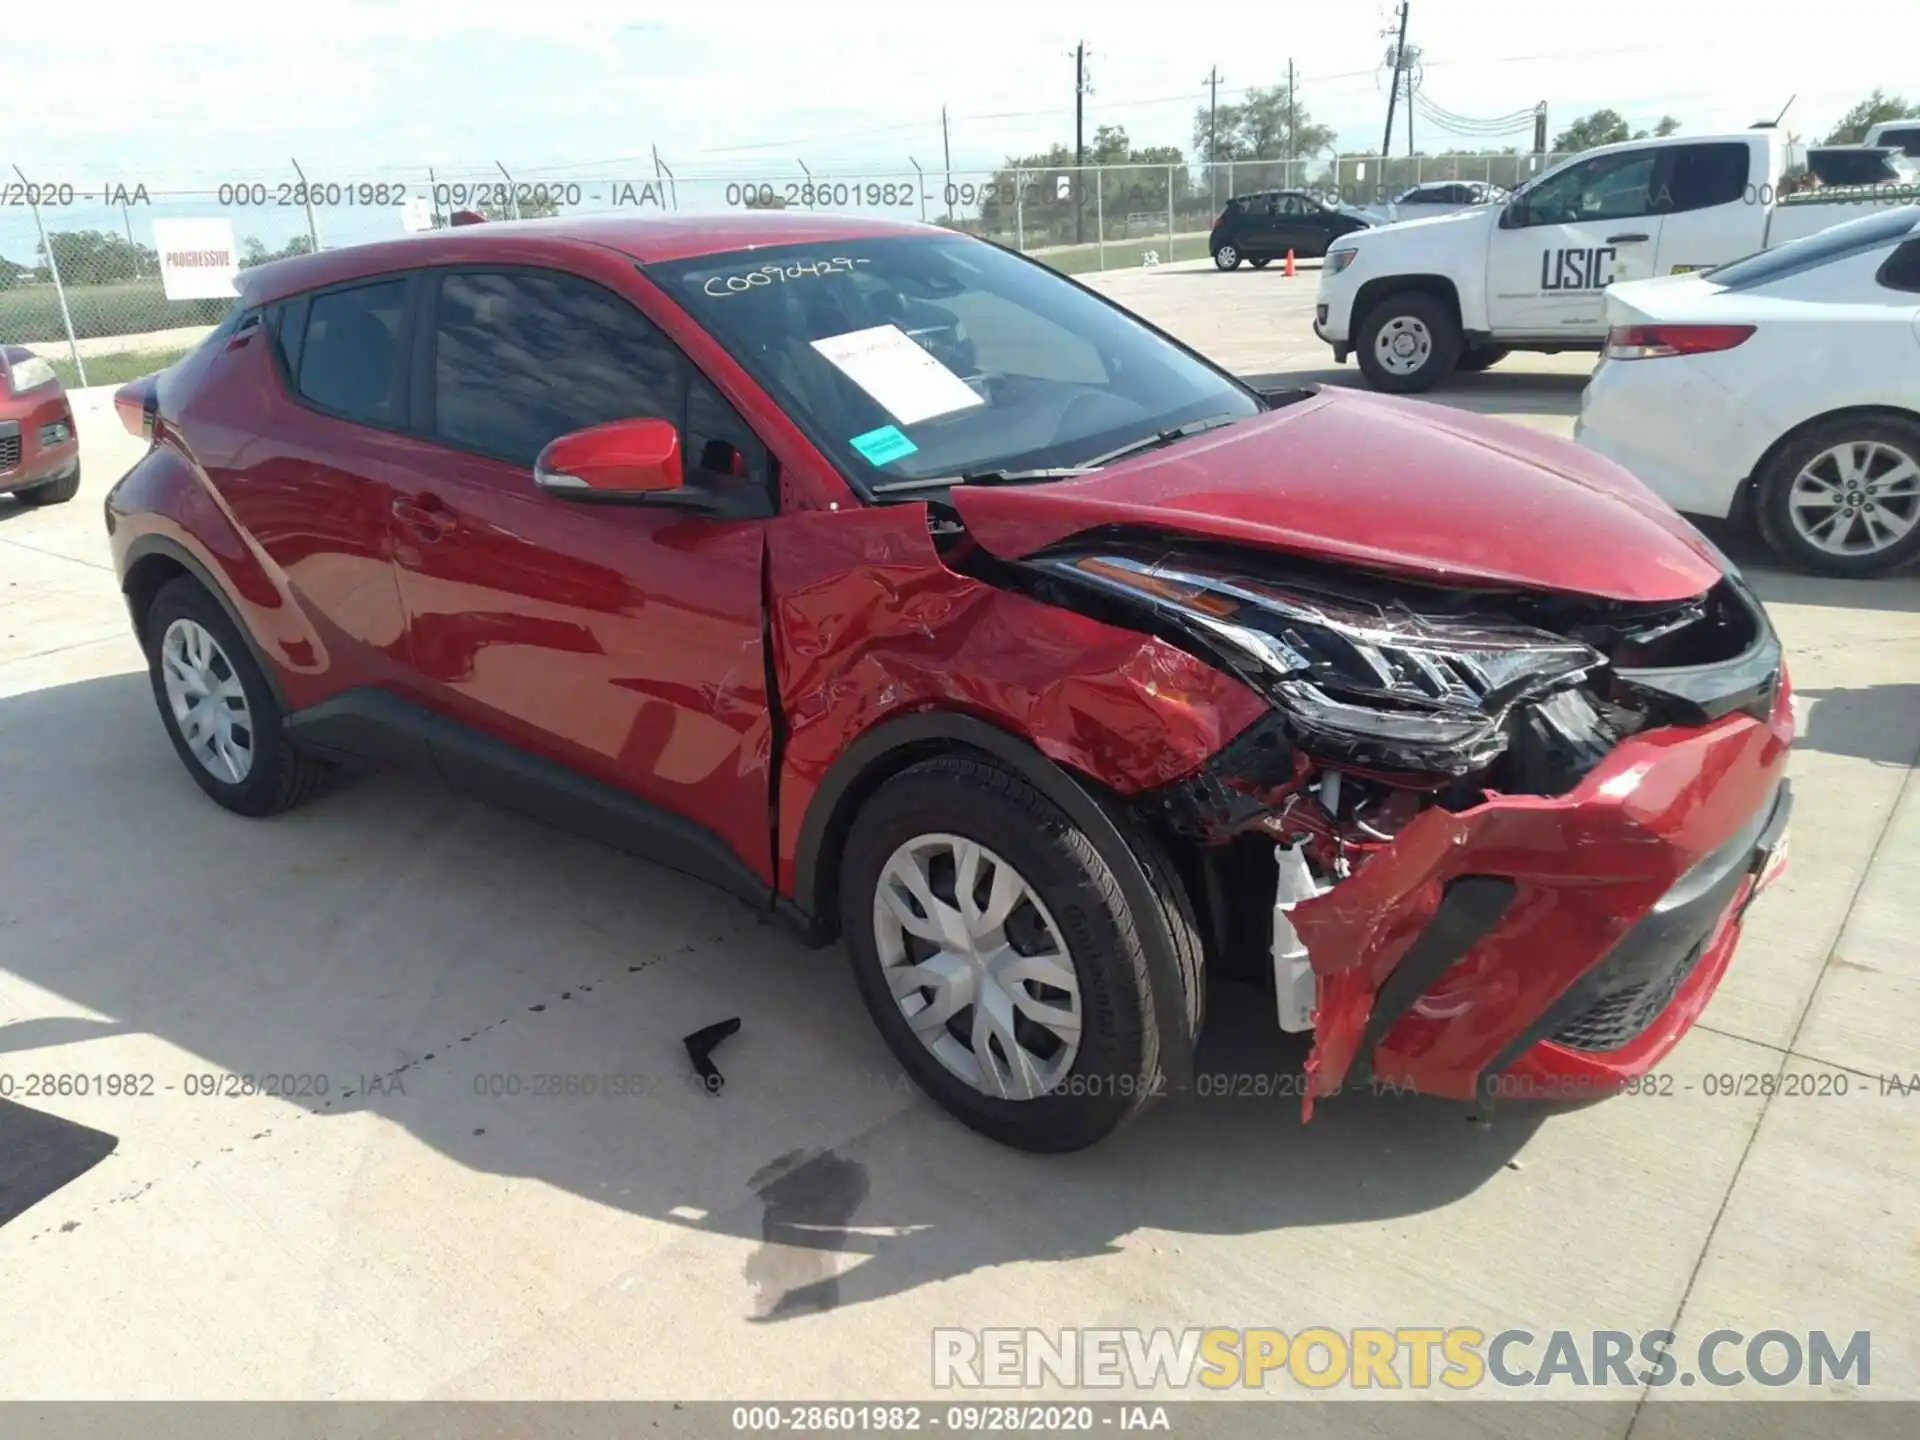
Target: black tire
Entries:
(1116, 1069)
(1775, 488)
(281, 775)
(1262, 262)
(1481, 357)
(56, 492)
(1227, 257)
(1411, 308)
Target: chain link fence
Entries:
(90, 273)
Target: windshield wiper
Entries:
(1055, 472)
(1163, 437)
(981, 477)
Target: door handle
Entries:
(428, 516)
(1625, 239)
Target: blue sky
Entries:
(570, 89)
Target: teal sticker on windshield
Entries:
(883, 445)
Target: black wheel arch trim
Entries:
(147, 547)
(926, 733)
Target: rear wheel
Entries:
(218, 709)
(1844, 498)
(1481, 357)
(1227, 257)
(1408, 343)
(55, 492)
(995, 950)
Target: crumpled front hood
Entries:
(1389, 484)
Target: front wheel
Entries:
(1262, 262)
(1482, 357)
(995, 950)
(1408, 343)
(1844, 498)
(1227, 257)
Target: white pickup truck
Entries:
(1417, 300)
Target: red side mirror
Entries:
(624, 459)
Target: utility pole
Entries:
(1212, 82)
(946, 152)
(1293, 133)
(1540, 128)
(1393, 91)
(1079, 138)
(1410, 116)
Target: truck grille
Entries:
(1619, 1017)
(9, 452)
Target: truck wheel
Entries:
(1408, 343)
(997, 953)
(1481, 357)
(1844, 498)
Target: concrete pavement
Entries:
(417, 1221)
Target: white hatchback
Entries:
(1784, 387)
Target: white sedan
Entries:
(1784, 387)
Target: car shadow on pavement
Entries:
(1880, 723)
(440, 963)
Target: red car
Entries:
(39, 448)
(918, 595)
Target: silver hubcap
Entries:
(1226, 257)
(977, 966)
(208, 703)
(1403, 345)
(1856, 499)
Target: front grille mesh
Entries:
(1621, 1017)
(9, 451)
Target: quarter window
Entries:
(350, 358)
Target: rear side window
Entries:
(1706, 175)
(350, 360)
(521, 357)
(1907, 137)
(1902, 270)
(1851, 237)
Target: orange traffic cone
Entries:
(1289, 263)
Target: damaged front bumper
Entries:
(1550, 945)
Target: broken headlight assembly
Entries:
(1369, 681)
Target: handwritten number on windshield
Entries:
(720, 286)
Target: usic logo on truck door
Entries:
(1579, 268)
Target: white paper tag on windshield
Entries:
(890, 366)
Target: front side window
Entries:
(351, 359)
(522, 357)
(909, 357)
(1607, 187)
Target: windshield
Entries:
(908, 356)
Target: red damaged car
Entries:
(923, 597)
(39, 449)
